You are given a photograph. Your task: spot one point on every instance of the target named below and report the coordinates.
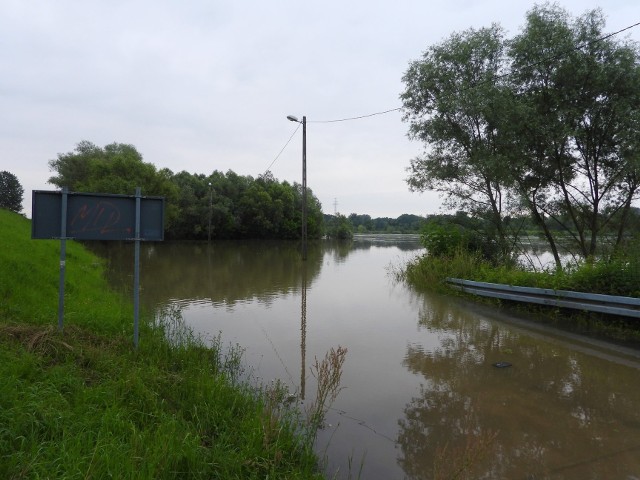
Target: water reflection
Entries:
(403, 242)
(221, 273)
(418, 376)
(224, 273)
(556, 414)
(303, 331)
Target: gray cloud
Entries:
(205, 85)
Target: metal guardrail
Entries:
(592, 302)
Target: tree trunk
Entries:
(545, 229)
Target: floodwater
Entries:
(421, 395)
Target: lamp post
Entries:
(304, 181)
(210, 211)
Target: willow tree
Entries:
(579, 90)
(537, 128)
(549, 120)
(455, 101)
(115, 168)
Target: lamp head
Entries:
(293, 119)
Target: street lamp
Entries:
(304, 181)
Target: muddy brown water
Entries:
(421, 395)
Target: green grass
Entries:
(617, 276)
(86, 404)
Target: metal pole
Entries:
(63, 257)
(210, 209)
(304, 188)
(303, 332)
(136, 270)
(303, 232)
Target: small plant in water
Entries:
(273, 417)
(328, 374)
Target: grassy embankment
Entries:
(85, 404)
(619, 276)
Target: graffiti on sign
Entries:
(97, 216)
(94, 216)
(101, 218)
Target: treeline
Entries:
(405, 223)
(242, 207)
(342, 228)
(339, 226)
(217, 206)
(198, 206)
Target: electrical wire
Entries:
(355, 118)
(498, 77)
(280, 153)
(552, 57)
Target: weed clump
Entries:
(328, 374)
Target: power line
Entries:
(280, 153)
(558, 55)
(505, 75)
(549, 58)
(619, 31)
(355, 118)
(498, 77)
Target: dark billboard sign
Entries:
(93, 216)
(96, 216)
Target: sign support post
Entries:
(97, 216)
(136, 271)
(63, 257)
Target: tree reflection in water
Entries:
(556, 413)
(222, 273)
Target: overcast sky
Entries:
(206, 85)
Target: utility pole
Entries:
(210, 211)
(304, 181)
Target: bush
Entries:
(442, 240)
(446, 239)
(11, 192)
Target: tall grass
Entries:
(328, 374)
(430, 272)
(619, 275)
(85, 404)
(613, 276)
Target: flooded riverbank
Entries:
(420, 387)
